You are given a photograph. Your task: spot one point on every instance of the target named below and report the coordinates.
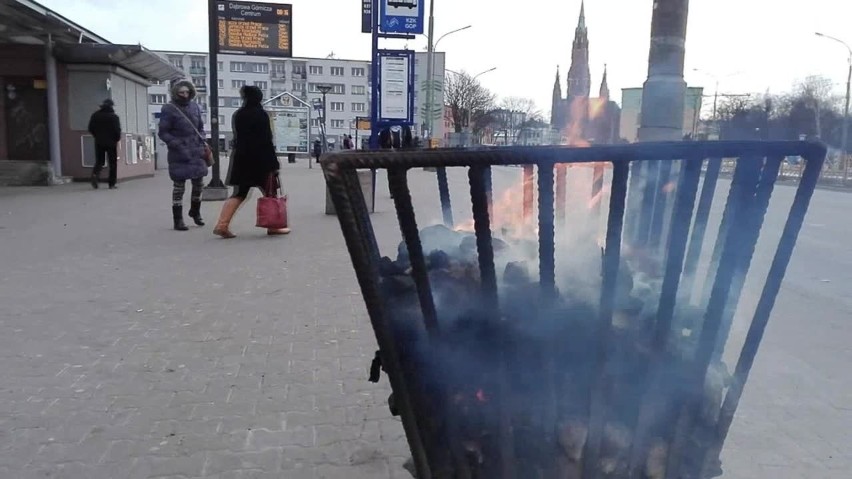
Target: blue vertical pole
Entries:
(374, 81)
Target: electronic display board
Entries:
(254, 28)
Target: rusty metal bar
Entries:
(357, 229)
(753, 222)
(529, 191)
(546, 233)
(684, 203)
(612, 258)
(661, 199)
(597, 189)
(646, 206)
(561, 193)
(401, 194)
(735, 240)
(696, 242)
(772, 287)
(482, 227)
(743, 185)
(444, 194)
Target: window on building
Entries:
(359, 90)
(315, 123)
(260, 67)
(237, 84)
(338, 123)
(176, 61)
(358, 72)
(220, 66)
(236, 103)
(279, 67)
(221, 101)
(221, 84)
(337, 71)
(359, 107)
(299, 69)
(262, 85)
(300, 86)
(238, 66)
(339, 89)
(159, 99)
(199, 81)
(221, 119)
(316, 70)
(337, 106)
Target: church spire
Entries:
(579, 78)
(604, 93)
(556, 102)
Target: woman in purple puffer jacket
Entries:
(182, 130)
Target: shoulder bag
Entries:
(208, 152)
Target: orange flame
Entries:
(480, 395)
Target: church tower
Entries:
(556, 116)
(604, 92)
(579, 76)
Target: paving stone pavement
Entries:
(131, 351)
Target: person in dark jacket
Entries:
(182, 130)
(254, 159)
(105, 127)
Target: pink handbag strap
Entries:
(273, 184)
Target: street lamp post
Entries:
(216, 189)
(324, 89)
(430, 68)
(848, 84)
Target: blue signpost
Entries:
(398, 19)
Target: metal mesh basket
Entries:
(525, 380)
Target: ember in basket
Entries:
(507, 362)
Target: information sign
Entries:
(253, 28)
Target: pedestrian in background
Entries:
(317, 150)
(105, 127)
(254, 160)
(182, 130)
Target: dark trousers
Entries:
(109, 154)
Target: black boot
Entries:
(177, 214)
(195, 213)
(95, 181)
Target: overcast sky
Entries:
(751, 45)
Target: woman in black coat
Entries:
(253, 161)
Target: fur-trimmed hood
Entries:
(183, 83)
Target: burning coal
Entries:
(515, 379)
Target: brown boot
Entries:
(278, 231)
(228, 210)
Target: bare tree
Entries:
(817, 93)
(515, 116)
(467, 99)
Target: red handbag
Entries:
(272, 207)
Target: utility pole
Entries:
(430, 53)
(216, 189)
(843, 144)
(324, 89)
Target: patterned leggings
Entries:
(180, 189)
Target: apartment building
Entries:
(349, 98)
